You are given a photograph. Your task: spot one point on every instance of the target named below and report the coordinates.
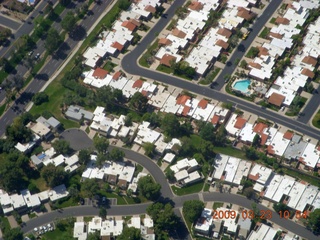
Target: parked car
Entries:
(37, 56)
(30, 53)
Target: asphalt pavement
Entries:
(130, 65)
(9, 23)
(52, 65)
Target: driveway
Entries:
(77, 138)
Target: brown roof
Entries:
(310, 60)
(116, 75)
(137, 84)
(254, 177)
(281, 20)
(244, 13)
(222, 44)
(182, 99)
(122, 183)
(112, 179)
(129, 25)
(255, 65)
(307, 72)
(165, 41)
(263, 139)
(117, 46)
(178, 33)
(263, 51)
(135, 22)
(197, 6)
(276, 99)
(318, 148)
(259, 127)
(288, 135)
(144, 93)
(224, 32)
(270, 150)
(276, 35)
(240, 123)
(149, 8)
(167, 59)
(215, 119)
(185, 110)
(100, 73)
(203, 103)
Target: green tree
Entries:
(148, 188)
(53, 41)
(68, 22)
(170, 175)
(251, 153)
(149, 148)
(130, 233)
(101, 158)
(124, 4)
(256, 141)
(17, 132)
(244, 64)
(73, 191)
(280, 207)
(314, 220)
(13, 234)
(101, 144)
(170, 125)
(249, 193)
(192, 210)
(89, 187)
(39, 98)
(103, 213)
(61, 146)
(138, 102)
(65, 2)
(94, 236)
(84, 156)
(53, 175)
(116, 154)
(11, 177)
(207, 132)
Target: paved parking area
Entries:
(77, 138)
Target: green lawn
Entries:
(57, 234)
(217, 205)
(310, 179)
(194, 188)
(143, 60)
(5, 225)
(2, 108)
(69, 202)
(299, 105)
(316, 120)
(230, 151)
(120, 200)
(265, 32)
(206, 187)
(210, 76)
(164, 69)
(273, 20)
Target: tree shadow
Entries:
(24, 98)
(42, 76)
(241, 48)
(78, 34)
(62, 51)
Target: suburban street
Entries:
(48, 70)
(74, 136)
(7, 22)
(130, 65)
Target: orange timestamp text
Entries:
(250, 214)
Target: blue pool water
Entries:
(242, 85)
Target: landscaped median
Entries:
(316, 120)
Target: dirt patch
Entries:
(16, 6)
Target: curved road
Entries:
(130, 65)
(159, 177)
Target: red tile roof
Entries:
(276, 99)
(263, 139)
(270, 150)
(203, 103)
(135, 22)
(116, 75)
(165, 41)
(254, 177)
(185, 110)
(288, 135)
(182, 99)
(244, 13)
(137, 84)
(307, 72)
(178, 33)
(149, 8)
(281, 20)
(276, 35)
(215, 120)
(259, 127)
(240, 123)
(100, 73)
(196, 6)
(129, 25)
(222, 44)
(167, 60)
(310, 60)
(117, 46)
(224, 32)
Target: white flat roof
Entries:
(316, 201)
(260, 173)
(17, 201)
(231, 169)
(310, 155)
(273, 186)
(170, 105)
(295, 194)
(219, 165)
(247, 134)
(242, 171)
(169, 157)
(307, 197)
(284, 188)
(279, 144)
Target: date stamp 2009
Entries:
(250, 214)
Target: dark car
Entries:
(81, 201)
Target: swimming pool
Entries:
(242, 86)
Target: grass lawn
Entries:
(143, 60)
(230, 151)
(210, 76)
(206, 187)
(3, 75)
(316, 120)
(2, 108)
(310, 179)
(194, 188)
(40, 183)
(217, 205)
(273, 20)
(5, 225)
(32, 215)
(68, 203)
(164, 69)
(120, 200)
(265, 32)
(57, 234)
(302, 101)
